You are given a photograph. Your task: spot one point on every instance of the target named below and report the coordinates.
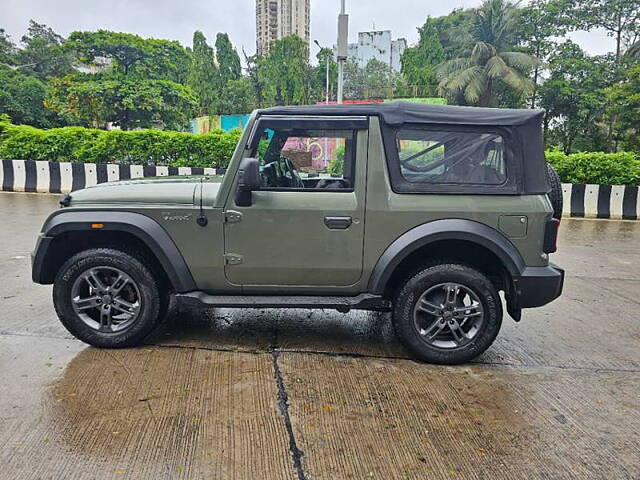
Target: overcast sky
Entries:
(177, 20)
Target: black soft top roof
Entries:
(398, 113)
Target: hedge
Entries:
(597, 167)
(141, 147)
(178, 149)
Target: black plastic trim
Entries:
(143, 227)
(447, 229)
(364, 301)
(538, 286)
(38, 257)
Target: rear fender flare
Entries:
(448, 229)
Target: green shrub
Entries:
(141, 147)
(596, 167)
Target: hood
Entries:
(164, 190)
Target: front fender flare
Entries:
(447, 229)
(144, 228)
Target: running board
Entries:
(364, 301)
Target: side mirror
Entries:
(248, 181)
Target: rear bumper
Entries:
(538, 286)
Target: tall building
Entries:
(379, 45)
(278, 18)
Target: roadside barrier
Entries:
(601, 201)
(65, 177)
(580, 200)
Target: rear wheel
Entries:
(108, 298)
(448, 314)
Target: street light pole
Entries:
(343, 47)
(327, 74)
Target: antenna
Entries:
(202, 218)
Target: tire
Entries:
(555, 195)
(106, 312)
(431, 337)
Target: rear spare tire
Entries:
(555, 194)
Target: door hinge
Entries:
(231, 216)
(232, 259)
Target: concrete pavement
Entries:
(322, 395)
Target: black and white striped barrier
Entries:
(601, 201)
(65, 177)
(580, 200)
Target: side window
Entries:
(306, 159)
(448, 157)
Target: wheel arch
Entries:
(435, 240)
(64, 231)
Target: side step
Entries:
(364, 301)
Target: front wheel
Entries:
(447, 314)
(108, 298)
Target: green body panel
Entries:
(281, 238)
(284, 242)
(389, 215)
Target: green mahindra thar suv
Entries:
(425, 211)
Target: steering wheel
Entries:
(291, 174)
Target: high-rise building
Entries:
(278, 18)
(379, 45)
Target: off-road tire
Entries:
(555, 195)
(422, 281)
(153, 307)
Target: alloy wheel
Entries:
(448, 315)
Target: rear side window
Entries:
(431, 157)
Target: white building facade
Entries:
(379, 45)
(279, 18)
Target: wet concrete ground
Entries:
(322, 395)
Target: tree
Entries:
(537, 25)
(124, 49)
(625, 100)
(239, 97)
(477, 77)
(575, 100)
(131, 55)
(22, 97)
(203, 75)
(319, 75)
(127, 103)
(355, 81)
(228, 59)
(454, 32)
(43, 53)
(375, 80)
(620, 18)
(419, 62)
(285, 72)
(7, 48)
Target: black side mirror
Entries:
(248, 181)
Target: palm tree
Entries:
(476, 77)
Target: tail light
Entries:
(550, 244)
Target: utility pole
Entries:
(343, 48)
(327, 75)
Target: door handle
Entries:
(337, 223)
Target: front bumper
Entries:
(538, 286)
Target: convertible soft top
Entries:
(398, 113)
(526, 163)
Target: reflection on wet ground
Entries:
(298, 394)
